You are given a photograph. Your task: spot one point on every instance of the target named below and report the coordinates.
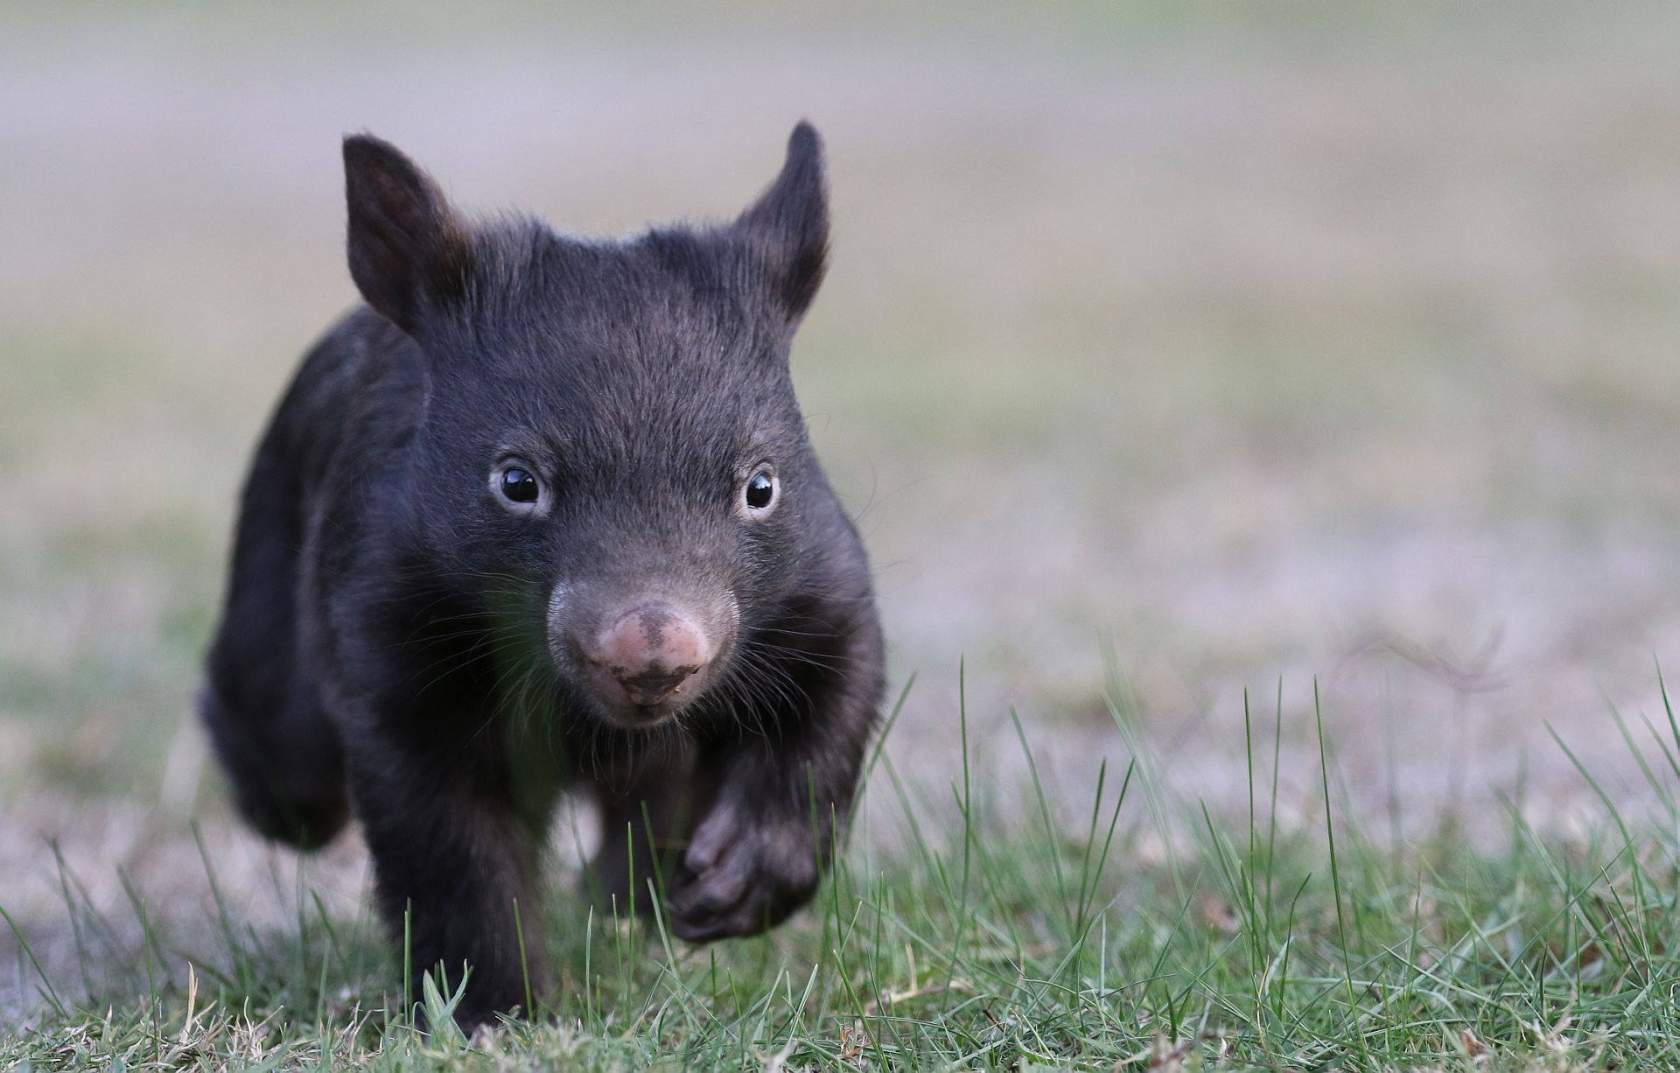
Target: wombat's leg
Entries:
(764, 839)
(645, 819)
(452, 855)
(277, 746)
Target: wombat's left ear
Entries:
(788, 224)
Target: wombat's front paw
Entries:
(743, 872)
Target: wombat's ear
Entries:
(788, 225)
(408, 251)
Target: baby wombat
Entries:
(544, 514)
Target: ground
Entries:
(1166, 354)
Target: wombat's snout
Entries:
(643, 657)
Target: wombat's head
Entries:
(610, 446)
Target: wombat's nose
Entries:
(649, 652)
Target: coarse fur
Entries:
(401, 642)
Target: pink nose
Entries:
(649, 652)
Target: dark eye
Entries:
(517, 485)
(759, 495)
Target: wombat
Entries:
(543, 514)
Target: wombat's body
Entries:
(544, 513)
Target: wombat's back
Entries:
(260, 703)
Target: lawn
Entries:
(1145, 935)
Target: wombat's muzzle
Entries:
(646, 655)
(643, 662)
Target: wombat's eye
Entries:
(516, 484)
(758, 495)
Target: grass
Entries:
(998, 934)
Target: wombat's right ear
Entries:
(408, 251)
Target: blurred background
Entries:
(1167, 350)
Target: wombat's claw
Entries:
(740, 880)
